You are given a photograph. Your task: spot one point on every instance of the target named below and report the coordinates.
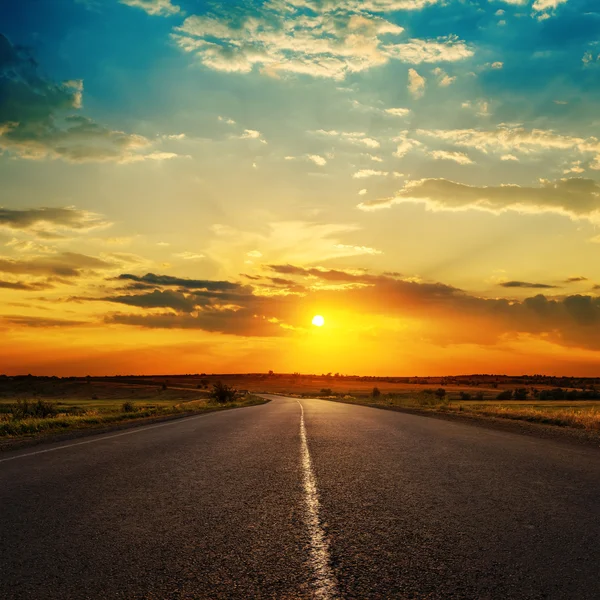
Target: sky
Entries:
(186, 184)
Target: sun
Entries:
(318, 320)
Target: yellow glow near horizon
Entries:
(318, 320)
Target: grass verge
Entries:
(32, 426)
(584, 418)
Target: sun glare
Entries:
(318, 320)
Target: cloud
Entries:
(497, 65)
(178, 301)
(318, 160)
(37, 120)
(525, 284)
(25, 321)
(398, 112)
(547, 6)
(66, 264)
(575, 279)
(187, 255)
(416, 84)
(26, 287)
(163, 8)
(51, 220)
(515, 139)
(444, 80)
(364, 173)
(576, 198)
(458, 157)
(329, 40)
(251, 134)
(180, 282)
(357, 138)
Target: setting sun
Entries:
(318, 320)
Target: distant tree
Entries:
(270, 372)
(375, 393)
(479, 396)
(465, 395)
(520, 394)
(326, 392)
(222, 393)
(440, 393)
(505, 395)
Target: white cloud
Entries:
(576, 198)
(254, 254)
(319, 39)
(357, 250)
(252, 134)
(364, 173)
(358, 138)
(362, 192)
(318, 160)
(398, 112)
(444, 80)
(226, 120)
(189, 255)
(497, 65)
(416, 84)
(162, 8)
(458, 157)
(515, 140)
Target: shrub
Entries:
(128, 407)
(440, 393)
(479, 396)
(222, 393)
(326, 392)
(505, 395)
(40, 409)
(375, 393)
(520, 394)
(465, 395)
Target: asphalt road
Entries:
(310, 500)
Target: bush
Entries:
(128, 407)
(479, 396)
(40, 409)
(326, 392)
(222, 393)
(505, 395)
(521, 394)
(375, 393)
(465, 395)
(440, 393)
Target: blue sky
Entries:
(379, 147)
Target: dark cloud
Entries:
(326, 274)
(526, 284)
(157, 299)
(23, 321)
(36, 119)
(233, 322)
(64, 218)
(180, 282)
(27, 287)
(575, 279)
(67, 264)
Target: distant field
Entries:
(33, 406)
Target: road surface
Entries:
(301, 499)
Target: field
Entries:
(30, 405)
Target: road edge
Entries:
(21, 442)
(539, 430)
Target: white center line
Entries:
(326, 584)
(104, 437)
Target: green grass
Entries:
(97, 406)
(560, 413)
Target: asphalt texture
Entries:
(219, 506)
